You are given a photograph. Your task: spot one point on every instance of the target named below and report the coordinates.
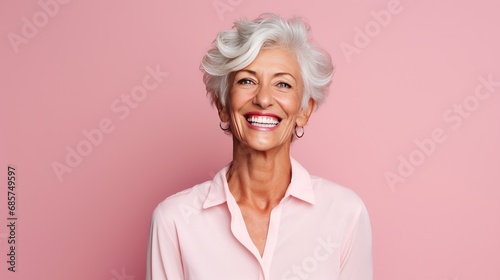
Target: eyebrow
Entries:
(275, 75)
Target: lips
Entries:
(262, 120)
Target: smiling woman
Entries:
(266, 97)
(263, 216)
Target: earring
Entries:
(301, 130)
(225, 129)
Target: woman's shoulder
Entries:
(331, 191)
(339, 203)
(186, 201)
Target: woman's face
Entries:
(265, 100)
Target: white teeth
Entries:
(262, 121)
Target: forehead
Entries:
(275, 60)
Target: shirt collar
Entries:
(300, 186)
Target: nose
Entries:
(263, 96)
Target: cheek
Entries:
(238, 100)
(291, 105)
(235, 105)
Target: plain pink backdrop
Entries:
(394, 85)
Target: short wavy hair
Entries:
(236, 48)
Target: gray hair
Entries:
(236, 48)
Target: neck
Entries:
(259, 179)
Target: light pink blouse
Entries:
(319, 231)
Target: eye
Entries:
(284, 85)
(245, 81)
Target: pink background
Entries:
(396, 87)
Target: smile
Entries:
(266, 121)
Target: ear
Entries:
(222, 110)
(304, 114)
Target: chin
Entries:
(264, 146)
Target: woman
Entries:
(263, 216)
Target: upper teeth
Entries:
(263, 120)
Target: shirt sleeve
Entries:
(356, 261)
(163, 255)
